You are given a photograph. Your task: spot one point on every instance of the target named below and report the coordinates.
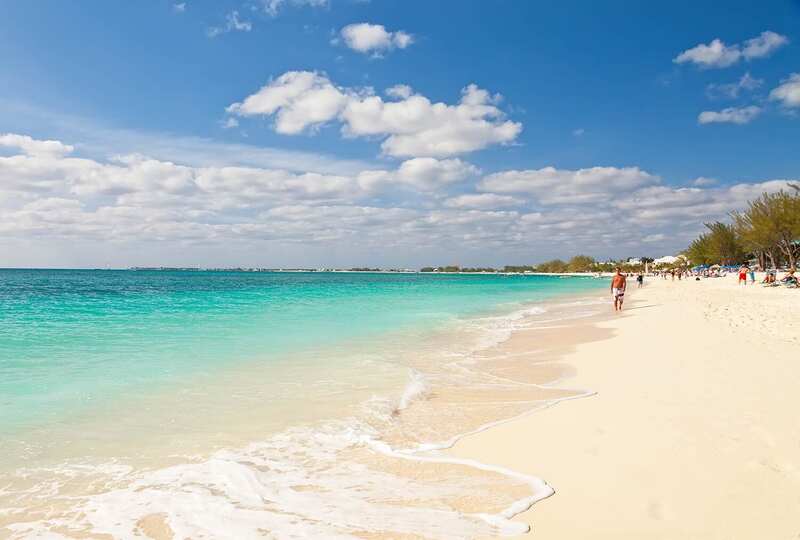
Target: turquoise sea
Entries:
(92, 360)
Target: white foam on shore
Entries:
(304, 482)
(416, 388)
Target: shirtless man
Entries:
(618, 285)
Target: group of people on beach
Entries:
(619, 281)
(673, 273)
(744, 271)
(771, 277)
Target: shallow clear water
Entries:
(211, 402)
(69, 338)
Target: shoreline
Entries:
(663, 420)
(129, 501)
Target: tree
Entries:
(581, 263)
(699, 251)
(755, 231)
(772, 223)
(722, 244)
(554, 266)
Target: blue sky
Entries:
(597, 93)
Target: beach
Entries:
(690, 429)
(528, 402)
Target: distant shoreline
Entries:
(311, 271)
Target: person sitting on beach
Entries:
(618, 285)
(790, 278)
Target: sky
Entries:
(337, 133)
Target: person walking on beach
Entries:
(618, 285)
(640, 280)
(743, 274)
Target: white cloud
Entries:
(482, 201)
(429, 173)
(374, 39)
(732, 90)
(417, 127)
(715, 54)
(731, 115)
(659, 237)
(179, 7)
(578, 132)
(399, 91)
(229, 123)
(299, 99)
(702, 181)
(232, 23)
(411, 125)
(273, 7)
(763, 45)
(34, 147)
(660, 205)
(131, 205)
(550, 186)
(788, 92)
(425, 175)
(719, 55)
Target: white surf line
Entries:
(540, 488)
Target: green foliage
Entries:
(769, 229)
(699, 251)
(722, 243)
(479, 270)
(581, 263)
(554, 266)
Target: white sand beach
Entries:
(694, 430)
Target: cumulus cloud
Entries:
(430, 173)
(731, 115)
(420, 174)
(483, 201)
(551, 186)
(719, 55)
(788, 92)
(374, 39)
(410, 124)
(48, 194)
(658, 205)
(399, 91)
(33, 147)
(298, 99)
(732, 90)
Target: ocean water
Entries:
(241, 404)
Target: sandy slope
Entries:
(695, 428)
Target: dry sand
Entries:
(694, 432)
